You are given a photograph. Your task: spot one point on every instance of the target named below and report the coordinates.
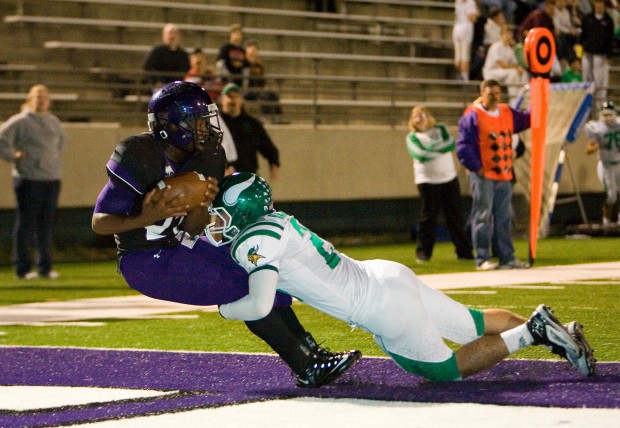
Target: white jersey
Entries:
(309, 268)
(407, 317)
(608, 140)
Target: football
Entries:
(190, 185)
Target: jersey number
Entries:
(324, 249)
(155, 232)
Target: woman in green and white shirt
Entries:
(431, 146)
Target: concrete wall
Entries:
(318, 164)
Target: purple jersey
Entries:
(135, 167)
(160, 261)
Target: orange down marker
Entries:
(539, 49)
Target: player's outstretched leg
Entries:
(547, 330)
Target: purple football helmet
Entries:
(182, 113)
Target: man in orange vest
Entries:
(484, 147)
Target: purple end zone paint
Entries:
(216, 379)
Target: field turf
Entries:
(595, 303)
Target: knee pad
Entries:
(444, 371)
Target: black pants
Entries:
(445, 197)
(36, 209)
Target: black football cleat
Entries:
(326, 367)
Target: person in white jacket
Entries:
(501, 64)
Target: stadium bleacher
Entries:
(338, 65)
(379, 55)
(346, 80)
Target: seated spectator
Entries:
(566, 32)
(201, 74)
(573, 72)
(524, 8)
(269, 101)
(493, 27)
(541, 17)
(508, 7)
(231, 65)
(501, 64)
(169, 58)
(584, 7)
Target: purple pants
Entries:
(202, 275)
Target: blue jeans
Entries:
(36, 209)
(491, 214)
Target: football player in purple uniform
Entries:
(160, 253)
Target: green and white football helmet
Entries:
(608, 113)
(243, 198)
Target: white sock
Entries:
(606, 221)
(517, 338)
(465, 76)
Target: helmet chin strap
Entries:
(165, 138)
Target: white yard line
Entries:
(535, 275)
(313, 412)
(144, 307)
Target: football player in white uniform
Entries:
(604, 137)
(409, 320)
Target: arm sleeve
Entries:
(258, 303)
(467, 144)
(115, 198)
(590, 129)
(521, 120)
(8, 131)
(63, 135)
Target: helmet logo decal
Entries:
(231, 195)
(253, 256)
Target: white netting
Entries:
(569, 107)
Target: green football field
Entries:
(594, 303)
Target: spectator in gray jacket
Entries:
(33, 141)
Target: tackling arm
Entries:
(258, 303)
